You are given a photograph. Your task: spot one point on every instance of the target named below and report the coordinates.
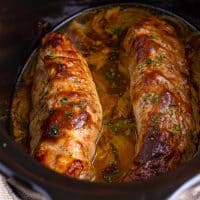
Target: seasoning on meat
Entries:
(160, 89)
(66, 115)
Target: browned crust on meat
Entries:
(161, 92)
(66, 113)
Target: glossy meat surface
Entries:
(66, 114)
(160, 89)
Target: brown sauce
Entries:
(98, 34)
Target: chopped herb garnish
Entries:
(152, 36)
(126, 121)
(117, 31)
(116, 126)
(64, 100)
(58, 62)
(159, 58)
(109, 75)
(156, 118)
(69, 115)
(177, 127)
(154, 98)
(54, 131)
(53, 56)
(148, 61)
(174, 89)
(81, 106)
(107, 178)
(51, 111)
(154, 127)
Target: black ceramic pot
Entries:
(22, 23)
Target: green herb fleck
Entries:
(148, 61)
(174, 89)
(53, 56)
(69, 115)
(159, 58)
(109, 75)
(177, 127)
(116, 126)
(154, 127)
(58, 63)
(117, 31)
(63, 100)
(154, 98)
(126, 121)
(156, 118)
(51, 111)
(107, 178)
(152, 36)
(54, 131)
(81, 106)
